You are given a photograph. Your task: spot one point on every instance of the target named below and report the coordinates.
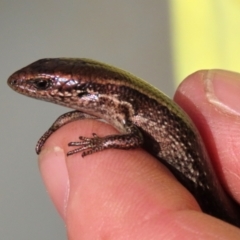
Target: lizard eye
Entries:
(42, 84)
(83, 94)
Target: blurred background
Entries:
(159, 41)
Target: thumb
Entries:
(211, 99)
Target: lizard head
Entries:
(58, 80)
(45, 79)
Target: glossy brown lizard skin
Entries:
(141, 113)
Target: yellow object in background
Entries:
(205, 35)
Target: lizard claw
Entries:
(94, 144)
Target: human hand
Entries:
(117, 194)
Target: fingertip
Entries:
(54, 173)
(206, 91)
(191, 92)
(222, 90)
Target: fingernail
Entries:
(53, 169)
(223, 90)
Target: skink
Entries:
(141, 113)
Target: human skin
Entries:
(118, 194)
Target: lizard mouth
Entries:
(15, 83)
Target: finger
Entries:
(54, 173)
(111, 187)
(211, 99)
